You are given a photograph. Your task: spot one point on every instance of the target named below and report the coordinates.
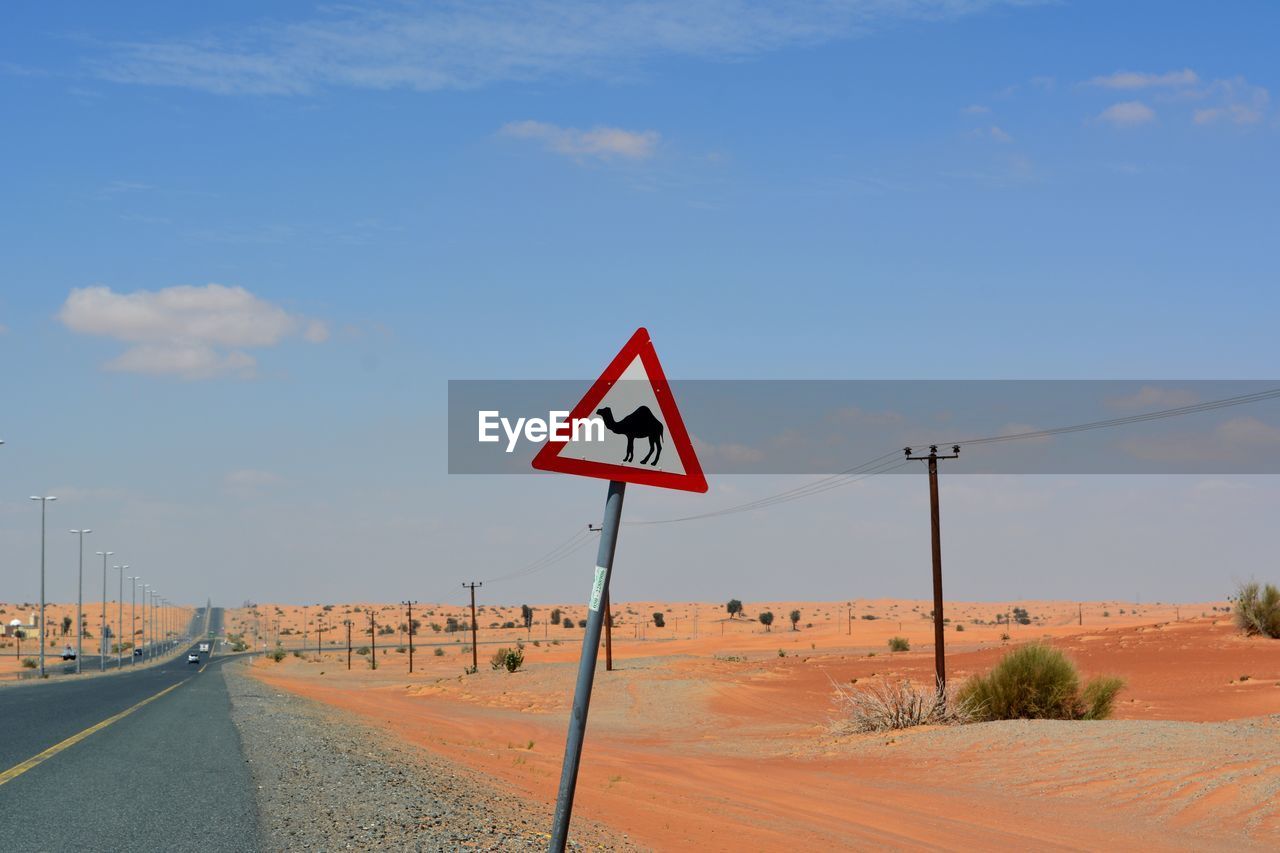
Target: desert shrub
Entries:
(363, 650)
(1039, 682)
(451, 624)
(870, 617)
(508, 659)
(439, 652)
(889, 705)
(508, 624)
(277, 655)
(555, 616)
(1257, 609)
(959, 627)
(567, 622)
(1022, 618)
(659, 620)
(899, 644)
(29, 663)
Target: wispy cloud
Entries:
(1238, 102)
(1127, 114)
(186, 331)
(1231, 100)
(455, 45)
(598, 142)
(1145, 80)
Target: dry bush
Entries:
(1258, 609)
(1039, 682)
(887, 705)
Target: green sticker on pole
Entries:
(647, 444)
(597, 588)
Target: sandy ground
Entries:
(11, 661)
(717, 741)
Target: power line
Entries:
(1209, 406)
(878, 465)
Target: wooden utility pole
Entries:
(373, 638)
(475, 658)
(409, 604)
(939, 641)
(347, 622)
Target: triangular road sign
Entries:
(644, 439)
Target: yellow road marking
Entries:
(18, 769)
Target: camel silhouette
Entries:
(639, 424)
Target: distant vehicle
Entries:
(137, 653)
(68, 654)
(204, 647)
(192, 657)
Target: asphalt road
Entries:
(168, 775)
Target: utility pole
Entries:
(475, 666)
(939, 651)
(608, 618)
(347, 622)
(410, 604)
(373, 638)
(1080, 614)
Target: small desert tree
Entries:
(659, 620)
(795, 619)
(734, 607)
(526, 615)
(766, 619)
(66, 625)
(555, 616)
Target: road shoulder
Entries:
(325, 781)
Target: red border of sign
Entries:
(692, 480)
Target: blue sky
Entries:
(413, 193)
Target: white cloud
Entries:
(1238, 102)
(976, 110)
(999, 134)
(1143, 80)
(431, 46)
(599, 142)
(1153, 398)
(1128, 114)
(187, 331)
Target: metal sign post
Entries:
(587, 666)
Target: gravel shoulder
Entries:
(326, 782)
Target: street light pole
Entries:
(80, 603)
(102, 629)
(120, 618)
(133, 618)
(146, 610)
(44, 502)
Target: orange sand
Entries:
(717, 741)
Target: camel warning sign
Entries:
(640, 437)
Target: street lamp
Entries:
(80, 602)
(120, 570)
(44, 502)
(133, 618)
(146, 596)
(102, 656)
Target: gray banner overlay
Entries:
(1002, 426)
